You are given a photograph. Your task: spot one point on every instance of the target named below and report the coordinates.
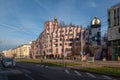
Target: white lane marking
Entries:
(67, 71)
(46, 66)
(11, 72)
(77, 73)
(29, 76)
(42, 65)
(91, 75)
(26, 71)
(107, 77)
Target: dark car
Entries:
(8, 62)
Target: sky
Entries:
(22, 21)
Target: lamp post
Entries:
(63, 57)
(81, 40)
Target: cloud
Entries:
(92, 4)
(41, 5)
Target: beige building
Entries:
(7, 53)
(22, 51)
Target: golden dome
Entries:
(95, 21)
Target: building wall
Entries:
(114, 22)
(22, 51)
(7, 53)
(57, 40)
(114, 31)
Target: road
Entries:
(30, 71)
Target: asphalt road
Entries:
(30, 71)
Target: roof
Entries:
(115, 5)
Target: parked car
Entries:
(8, 62)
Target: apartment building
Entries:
(58, 40)
(114, 31)
(22, 51)
(7, 53)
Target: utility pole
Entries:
(63, 50)
(81, 43)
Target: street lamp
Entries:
(63, 57)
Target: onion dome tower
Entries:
(96, 31)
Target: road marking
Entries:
(29, 76)
(77, 73)
(91, 75)
(11, 72)
(46, 66)
(107, 77)
(42, 65)
(67, 71)
(26, 71)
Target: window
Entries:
(50, 50)
(60, 44)
(61, 39)
(70, 44)
(115, 17)
(118, 16)
(119, 30)
(56, 35)
(70, 34)
(77, 39)
(78, 34)
(61, 31)
(67, 39)
(109, 19)
(56, 45)
(56, 40)
(70, 30)
(68, 49)
(56, 50)
(71, 39)
(66, 30)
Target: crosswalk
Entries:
(87, 74)
(91, 75)
(80, 74)
(67, 71)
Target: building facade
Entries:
(8, 53)
(58, 40)
(22, 51)
(114, 31)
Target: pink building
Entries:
(57, 40)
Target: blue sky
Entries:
(21, 21)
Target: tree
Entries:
(62, 24)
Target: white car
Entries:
(8, 62)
